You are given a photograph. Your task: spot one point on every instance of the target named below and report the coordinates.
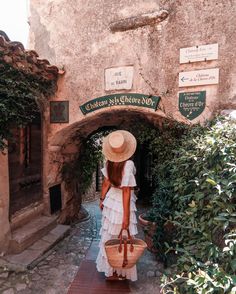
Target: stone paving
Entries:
(56, 271)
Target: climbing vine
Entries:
(82, 167)
(20, 96)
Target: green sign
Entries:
(121, 100)
(192, 104)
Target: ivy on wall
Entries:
(82, 167)
(20, 97)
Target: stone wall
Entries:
(78, 37)
(84, 38)
(91, 194)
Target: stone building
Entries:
(146, 60)
(21, 168)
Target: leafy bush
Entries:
(161, 143)
(203, 175)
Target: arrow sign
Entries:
(183, 79)
(199, 77)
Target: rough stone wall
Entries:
(91, 194)
(75, 35)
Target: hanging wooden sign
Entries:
(132, 99)
(192, 104)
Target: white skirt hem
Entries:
(112, 217)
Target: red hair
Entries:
(115, 172)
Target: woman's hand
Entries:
(125, 224)
(105, 187)
(101, 204)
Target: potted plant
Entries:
(149, 226)
(156, 223)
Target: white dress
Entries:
(112, 218)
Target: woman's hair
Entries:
(115, 170)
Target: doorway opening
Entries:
(25, 157)
(55, 198)
(77, 168)
(70, 148)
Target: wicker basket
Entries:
(124, 252)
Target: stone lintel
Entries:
(139, 21)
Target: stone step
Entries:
(31, 256)
(26, 215)
(31, 232)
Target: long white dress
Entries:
(112, 217)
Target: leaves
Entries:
(82, 167)
(20, 94)
(204, 189)
(211, 181)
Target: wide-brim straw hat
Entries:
(119, 146)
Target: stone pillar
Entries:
(4, 202)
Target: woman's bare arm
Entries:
(126, 191)
(105, 187)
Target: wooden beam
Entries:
(142, 20)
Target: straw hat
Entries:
(119, 146)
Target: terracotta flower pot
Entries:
(149, 229)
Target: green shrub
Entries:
(203, 175)
(161, 143)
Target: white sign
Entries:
(119, 78)
(199, 77)
(199, 53)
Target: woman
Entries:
(117, 200)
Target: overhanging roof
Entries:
(28, 61)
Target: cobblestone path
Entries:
(56, 271)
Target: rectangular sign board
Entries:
(199, 77)
(199, 53)
(119, 78)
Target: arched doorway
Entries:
(68, 143)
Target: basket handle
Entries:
(121, 231)
(125, 241)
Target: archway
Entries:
(67, 143)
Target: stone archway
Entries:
(63, 147)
